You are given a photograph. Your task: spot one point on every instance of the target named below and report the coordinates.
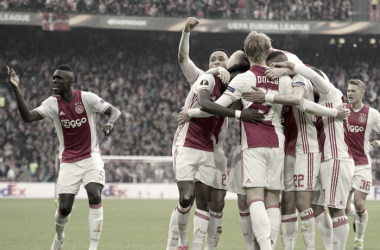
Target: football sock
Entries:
(95, 220)
(361, 220)
(260, 223)
(201, 219)
(352, 211)
(182, 216)
(214, 230)
(289, 228)
(275, 221)
(60, 224)
(308, 228)
(325, 227)
(340, 232)
(173, 232)
(246, 228)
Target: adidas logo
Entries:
(62, 113)
(248, 181)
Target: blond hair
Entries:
(359, 83)
(257, 46)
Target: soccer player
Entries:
(73, 114)
(262, 145)
(302, 155)
(362, 120)
(337, 165)
(193, 157)
(217, 64)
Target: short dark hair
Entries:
(65, 67)
(273, 55)
(222, 50)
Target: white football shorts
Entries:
(221, 175)
(336, 179)
(72, 174)
(263, 167)
(362, 180)
(193, 165)
(301, 171)
(235, 181)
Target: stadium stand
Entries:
(306, 10)
(142, 78)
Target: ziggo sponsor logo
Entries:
(12, 191)
(114, 191)
(73, 123)
(355, 129)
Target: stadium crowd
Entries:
(144, 82)
(241, 9)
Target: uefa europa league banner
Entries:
(63, 21)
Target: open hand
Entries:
(224, 75)
(183, 116)
(342, 113)
(252, 115)
(257, 96)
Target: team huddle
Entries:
(301, 149)
(300, 146)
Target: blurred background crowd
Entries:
(142, 78)
(338, 10)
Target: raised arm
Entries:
(26, 114)
(114, 114)
(188, 67)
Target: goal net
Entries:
(139, 169)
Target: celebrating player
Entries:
(73, 114)
(337, 165)
(362, 121)
(302, 155)
(217, 63)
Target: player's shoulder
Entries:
(205, 79)
(372, 110)
(50, 100)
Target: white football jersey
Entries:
(270, 132)
(75, 124)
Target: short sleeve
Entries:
(236, 87)
(48, 108)
(96, 103)
(300, 81)
(376, 120)
(286, 85)
(205, 81)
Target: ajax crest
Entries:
(79, 109)
(362, 119)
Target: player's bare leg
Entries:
(95, 217)
(272, 202)
(289, 225)
(62, 215)
(260, 221)
(303, 204)
(246, 224)
(216, 212)
(202, 215)
(340, 228)
(359, 211)
(180, 216)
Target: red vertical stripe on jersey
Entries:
(310, 170)
(242, 169)
(175, 154)
(334, 181)
(303, 129)
(332, 135)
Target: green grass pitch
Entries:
(130, 224)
